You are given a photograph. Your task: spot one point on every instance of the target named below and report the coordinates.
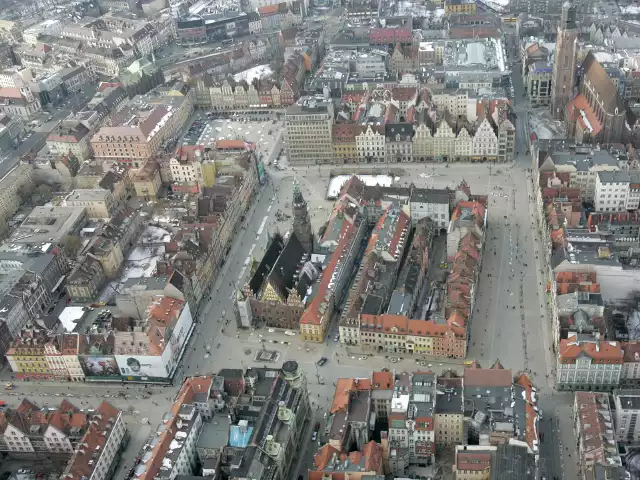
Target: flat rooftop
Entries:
(46, 225)
(474, 54)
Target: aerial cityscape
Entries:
(319, 240)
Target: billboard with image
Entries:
(100, 366)
(142, 367)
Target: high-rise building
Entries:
(309, 127)
(301, 221)
(564, 67)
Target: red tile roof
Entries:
(598, 352)
(474, 461)
(83, 462)
(578, 104)
(382, 380)
(344, 388)
(474, 376)
(315, 312)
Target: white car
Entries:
(336, 338)
(271, 330)
(290, 333)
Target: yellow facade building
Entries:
(27, 356)
(464, 7)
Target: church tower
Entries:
(566, 57)
(301, 221)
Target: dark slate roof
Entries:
(267, 263)
(177, 280)
(403, 129)
(513, 462)
(282, 275)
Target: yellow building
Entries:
(344, 142)
(26, 356)
(465, 7)
(146, 180)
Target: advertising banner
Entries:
(138, 367)
(99, 366)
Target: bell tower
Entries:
(301, 221)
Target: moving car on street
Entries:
(322, 361)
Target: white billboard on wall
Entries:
(141, 367)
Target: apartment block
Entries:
(594, 431)
(627, 410)
(588, 363)
(449, 411)
(18, 178)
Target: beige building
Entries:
(20, 177)
(473, 462)
(70, 137)
(146, 180)
(98, 203)
(142, 128)
(308, 126)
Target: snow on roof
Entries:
(254, 72)
(337, 182)
(69, 318)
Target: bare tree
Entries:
(71, 245)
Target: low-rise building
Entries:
(430, 203)
(98, 203)
(342, 241)
(47, 226)
(70, 138)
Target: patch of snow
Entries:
(337, 182)
(500, 6)
(69, 318)
(605, 57)
(544, 126)
(254, 72)
(631, 9)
